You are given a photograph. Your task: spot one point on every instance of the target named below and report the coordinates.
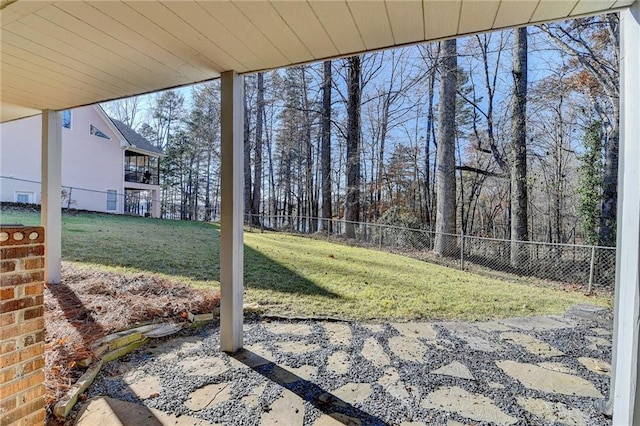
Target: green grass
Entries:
(300, 276)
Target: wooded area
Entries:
(510, 134)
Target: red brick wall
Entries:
(22, 326)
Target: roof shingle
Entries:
(134, 138)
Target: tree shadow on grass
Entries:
(261, 272)
(195, 257)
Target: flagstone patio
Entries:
(537, 370)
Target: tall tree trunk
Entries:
(326, 147)
(445, 245)
(610, 183)
(273, 210)
(383, 137)
(352, 207)
(308, 160)
(257, 153)
(247, 160)
(207, 191)
(427, 154)
(519, 196)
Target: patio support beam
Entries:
(51, 203)
(232, 206)
(626, 402)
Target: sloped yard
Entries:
(302, 277)
(121, 271)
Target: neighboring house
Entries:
(106, 165)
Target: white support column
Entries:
(232, 206)
(51, 207)
(155, 203)
(626, 401)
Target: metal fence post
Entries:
(462, 249)
(591, 268)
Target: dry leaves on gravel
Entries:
(90, 304)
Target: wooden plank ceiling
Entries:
(62, 54)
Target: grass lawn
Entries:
(299, 276)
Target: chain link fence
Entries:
(582, 265)
(134, 202)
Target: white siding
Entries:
(90, 165)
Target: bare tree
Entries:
(257, 152)
(595, 45)
(352, 204)
(519, 197)
(326, 145)
(446, 169)
(126, 110)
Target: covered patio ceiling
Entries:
(63, 54)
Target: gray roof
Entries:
(134, 138)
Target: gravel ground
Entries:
(380, 407)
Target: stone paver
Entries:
(407, 348)
(341, 419)
(208, 396)
(203, 366)
(492, 326)
(353, 393)
(338, 362)
(597, 341)
(557, 366)
(538, 378)
(305, 372)
(553, 411)
(283, 376)
(288, 409)
(455, 369)
(601, 331)
(289, 328)
(392, 383)
(246, 358)
(297, 348)
(105, 411)
(374, 328)
(531, 344)
(535, 323)
(252, 399)
(476, 340)
(416, 329)
(261, 350)
(145, 387)
(339, 334)
(327, 420)
(374, 353)
(473, 406)
(595, 365)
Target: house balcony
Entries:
(146, 177)
(141, 168)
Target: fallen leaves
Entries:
(90, 303)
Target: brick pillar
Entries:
(22, 389)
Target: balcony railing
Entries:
(141, 177)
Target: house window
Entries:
(97, 132)
(24, 197)
(112, 200)
(66, 119)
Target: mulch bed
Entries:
(90, 304)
